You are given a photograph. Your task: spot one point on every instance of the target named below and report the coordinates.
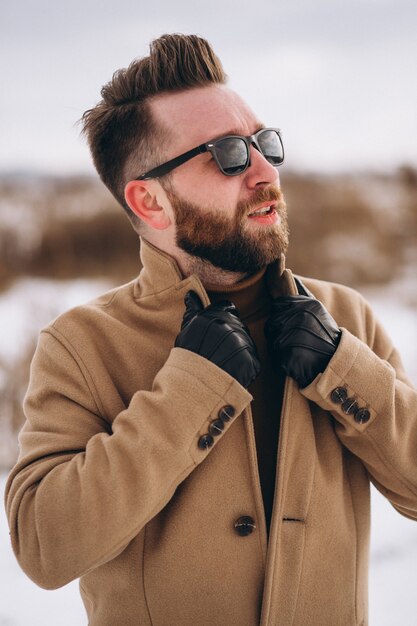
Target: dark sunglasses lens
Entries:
(270, 143)
(232, 155)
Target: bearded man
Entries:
(200, 442)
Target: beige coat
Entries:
(112, 487)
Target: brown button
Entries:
(216, 427)
(226, 413)
(245, 525)
(206, 441)
(339, 395)
(362, 416)
(350, 406)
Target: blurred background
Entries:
(338, 78)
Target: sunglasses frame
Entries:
(210, 146)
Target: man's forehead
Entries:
(204, 113)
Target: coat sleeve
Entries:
(373, 376)
(82, 489)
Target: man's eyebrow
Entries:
(236, 131)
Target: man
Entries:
(199, 443)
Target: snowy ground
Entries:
(392, 583)
(393, 587)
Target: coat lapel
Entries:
(293, 487)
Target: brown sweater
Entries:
(253, 301)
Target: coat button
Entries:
(362, 416)
(205, 441)
(339, 395)
(216, 427)
(245, 525)
(226, 413)
(350, 406)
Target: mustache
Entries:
(266, 194)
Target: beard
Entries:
(228, 242)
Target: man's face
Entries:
(224, 238)
(213, 213)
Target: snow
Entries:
(30, 304)
(392, 587)
(27, 306)
(22, 603)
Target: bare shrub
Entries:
(62, 228)
(354, 228)
(14, 377)
(102, 245)
(341, 231)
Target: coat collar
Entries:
(160, 272)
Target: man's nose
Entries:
(260, 171)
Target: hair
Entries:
(123, 137)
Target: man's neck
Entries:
(188, 265)
(211, 275)
(207, 273)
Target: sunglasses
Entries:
(231, 153)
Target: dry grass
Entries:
(13, 384)
(352, 229)
(356, 230)
(63, 228)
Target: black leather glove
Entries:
(302, 337)
(219, 335)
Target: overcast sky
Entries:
(339, 78)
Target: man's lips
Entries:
(271, 205)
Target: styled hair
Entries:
(123, 137)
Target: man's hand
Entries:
(219, 335)
(302, 337)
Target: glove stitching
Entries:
(288, 333)
(204, 334)
(232, 355)
(221, 339)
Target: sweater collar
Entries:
(250, 295)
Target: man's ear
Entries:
(142, 198)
